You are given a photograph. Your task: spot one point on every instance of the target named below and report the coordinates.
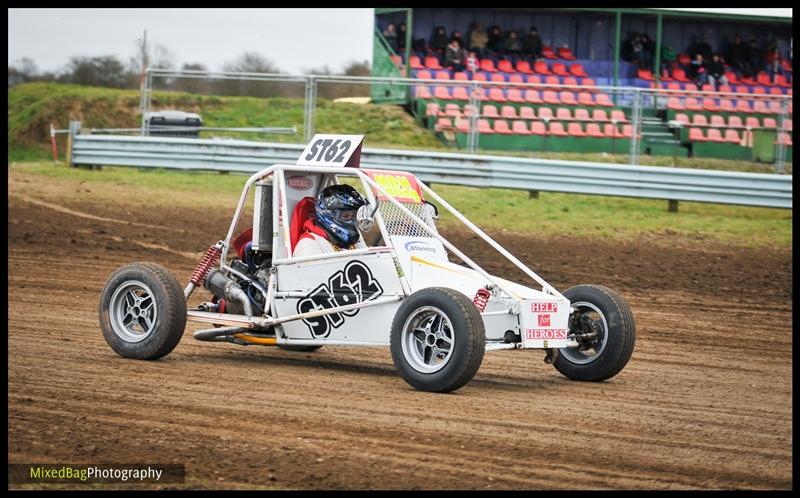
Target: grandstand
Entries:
(562, 101)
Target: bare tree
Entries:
(252, 62)
(193, 85)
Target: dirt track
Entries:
(704, 403)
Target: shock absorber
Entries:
(481, 298)
(209, 259)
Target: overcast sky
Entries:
(296, 40)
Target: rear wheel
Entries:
(142, 311)
(606, 332)
(437, 339)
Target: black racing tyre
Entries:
(437, 339)
(142, 311)
(298, 347)
(600, 310)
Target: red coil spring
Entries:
(481, 298)
(209, 259)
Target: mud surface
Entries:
(704, 403)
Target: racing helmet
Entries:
(335, 211)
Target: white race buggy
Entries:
(396, 287)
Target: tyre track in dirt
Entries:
(686, 413)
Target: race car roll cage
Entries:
(237, 324)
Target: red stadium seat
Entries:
(787, 124)
(541, 67)
(743, 106)
(552, 81)
(618, 116)
(679, 75)
(462, 125)
(717, 121)
(726, 105)
(699, 120)
(520, 128)
(775, 107)
(575, 130)
(566, 53)
(423, 74)
(452, 110)
(692, 104)
(627, 131)
(557, 129)
(432, 109)
(599, 115)
(775, 90)
(582, 114)
(470, 110)
(780, 80)
(535, 79)
(508, 112)
(560, 69)
(683, 118)
(708, 88)
(524, 67)
(577, 70)
(397, 60)
(585, 98)
(516, 78)
(761, 107)
(786, 138)
(563, 114)
(538, 128)
(460, 93)
(548, 53)
(432, 62)
(442, 75)
(646, 74)
(498, 78)
(570, 81)
(684, 59)
(734, 121)
(550, 97)
(443, 124)
(675, 104)
(731, 77)
(497, 95)
(415, 63)
(593, 130)
(484, 127)
(763, 79)
(747, 80)
(526, 112)
(488, 66)
(759, 90)
(546, 114)
(742, 89)
(675, 86)
(725, 88)
(752, 122)
(532, 96)
(611, 130)
(515, 95)
(732, 136)
(696, 135)
(442, 93)
(588, 82)
(714, 135)
(460, 76)
(479, 77)
(489, 111)
(505, 66)
(567, 98)
(501, 127)
(710, 105)
(603, 100)
(422, 92)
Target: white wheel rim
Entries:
(428, 339)
(585, 357)
(133, 311)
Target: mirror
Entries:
(364, 218)
(435, 215)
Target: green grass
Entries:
(552, 214)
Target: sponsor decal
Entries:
(299, 182)
(545, 333)
(419, 246)
(351, 285)
(547, 307)
(399, 186)
(544, 320)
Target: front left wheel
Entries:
(437, 340)
(142, 311)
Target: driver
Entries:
(334, 226)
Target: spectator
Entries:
(472, 62)
(772, 57)
(401, 36)
(390, 34)
(715, 72)
(532, 44)
(668, 58)
(495, 43)
(755, 58)
(439, 39)
(648, 50)
(637, 50)
(478, 38)
(627, 49)
(454, 55)
(736, 54)
(702, 47)
(513, 45)
(457, 36)
(697, 71)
